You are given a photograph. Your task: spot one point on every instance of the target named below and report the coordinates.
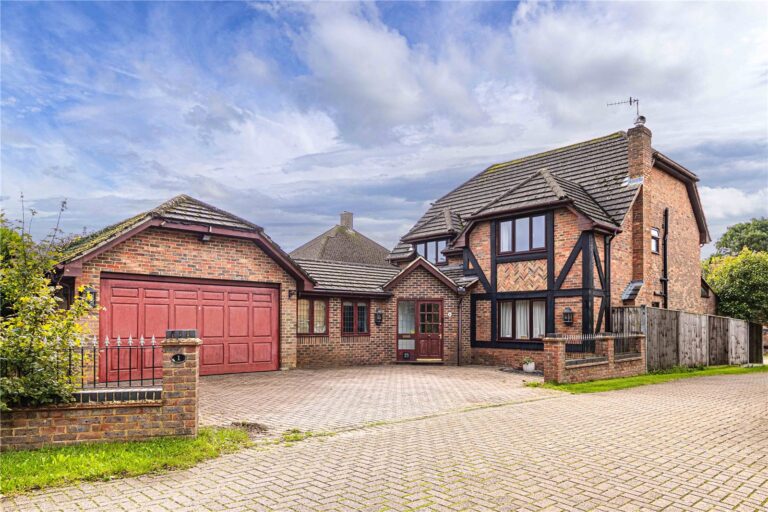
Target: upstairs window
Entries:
(655, 240)
(354, 317)
(432, 251)
(312, 317)
(524, 234)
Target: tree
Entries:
(752, 234)
(741, 284)
(36, 333)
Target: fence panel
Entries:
(718, 340)
(693, 340)
(628, 320)
(755, 343)
(662, 338)
(738, 341)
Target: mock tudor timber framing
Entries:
(585, 246)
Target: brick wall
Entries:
(567, 233)
(175, 414)
(508, 357)
(480, 245)
(164, 252)
(557, 369)
(380, 346)
(522, 276)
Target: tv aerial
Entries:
(639, 120)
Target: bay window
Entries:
(522, 319)
(523, 234)
(312, 316)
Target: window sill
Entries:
(354, 334)
(308, 334)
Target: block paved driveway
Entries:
(695, 444)
(339, 398)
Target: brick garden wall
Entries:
(557, 369)
(175, 414)
(165, 252)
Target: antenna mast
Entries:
(639, 120)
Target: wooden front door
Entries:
(429, 330)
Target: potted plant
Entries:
(529, 365)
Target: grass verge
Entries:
(657, 377)
(63, 465)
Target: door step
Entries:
(421, 361)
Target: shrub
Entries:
(35, 330)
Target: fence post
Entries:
(181, 365)
(554, 359)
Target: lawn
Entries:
(658, 377)
(48, 467)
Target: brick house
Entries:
(542, 244)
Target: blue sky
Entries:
(288, 113)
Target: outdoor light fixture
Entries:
(291, 294)
(379, 317)
(90, 295)
(568, 316)
(205, 238)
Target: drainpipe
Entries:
(461, 291)
(664, 262)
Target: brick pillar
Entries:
(608, 350)
(642, 347)
(181, 370)
(554, 359)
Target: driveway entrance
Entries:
(330, 399)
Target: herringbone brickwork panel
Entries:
(522, 276)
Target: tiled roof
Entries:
(181, 209)
(349, 277)
(341, 243)
(442, 221)
(597, 170)
(456, 274)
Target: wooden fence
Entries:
(687, 339)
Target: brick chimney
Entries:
(346, 219)
(639, 151)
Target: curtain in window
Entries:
(302, 323)
(362, 317)
(505, 319)
(521, 319)
(348, 317)
(539, 319)
(319, 316)
(406, 317)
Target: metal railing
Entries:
(111, 364)
(592, 346)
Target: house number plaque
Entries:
(178, 358)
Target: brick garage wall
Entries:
(165, 252)
(337, 350)
(175, 414)
(380, 346)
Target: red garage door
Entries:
(239, 325)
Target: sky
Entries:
(288, 113)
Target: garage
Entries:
(238, 323)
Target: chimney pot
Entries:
(346, 219)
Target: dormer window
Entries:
(432, 251)
(523, 234)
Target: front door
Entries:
(429, 330)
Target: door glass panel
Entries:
(406, 317)
(429, 318)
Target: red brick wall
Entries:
(380, 346)
(480, 245)
(556, 369)
(622, 250)
(567, 233)
(512, 358)
(172, 253)
(175, 414)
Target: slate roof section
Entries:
(442, 222)
(456, 274)
(599, 168)
(181, 209)
(341, 243)
(348, 277)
